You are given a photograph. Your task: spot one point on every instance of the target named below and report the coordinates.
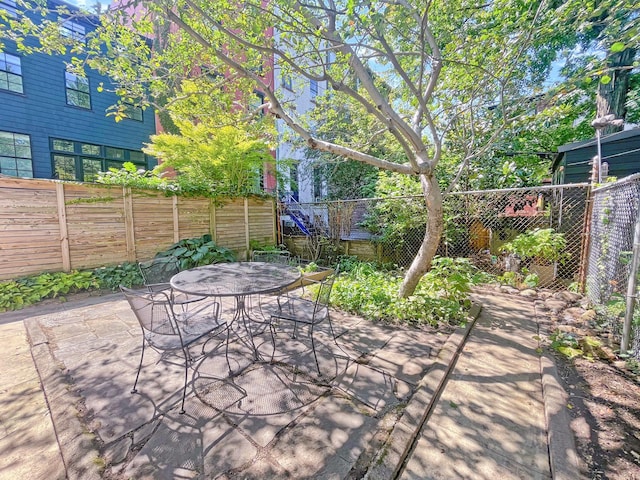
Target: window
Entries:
(64, 167)
(10, 7)
(313, 89)
(10, 73)
(15, 155)
(287, 82)
(71, 29)
(83, 161)
(90, 169)
(133, 112)
(62, 145)
(257, 101)
(89, 149)
(116, 153)
(77, 90)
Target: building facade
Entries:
(300, 180)
(620, 157)
(53, 123)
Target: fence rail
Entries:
(49, 225)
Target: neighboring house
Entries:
(54, 124)
(620, 151)
(300, 181)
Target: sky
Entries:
(89, 3)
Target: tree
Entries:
(421, 71)
(216, 147)
(602, 38)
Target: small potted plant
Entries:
(540, 250)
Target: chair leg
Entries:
(272, 331)
(186, 377)
(333, 332)
(134, 389)
(226, 348)
(313, 347)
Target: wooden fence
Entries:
(47, 225)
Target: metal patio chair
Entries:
(156, 274)
(165, 329)
(282, 257)
(308, 312)
(272, 256)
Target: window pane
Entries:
(14, 83)
(23, 151)
(25, 168)
(136, 157)
(88, 149)
(78, 99)
(62, 145)
(133, 112)
(10, 73)
(90, 168)
(111, 164)
(72, 29)
(64, 167)
(7, 163)
(21, 139)
(7, 149)
(115, 153)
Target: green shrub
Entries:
(16, 294)
(194, 252)
(441, 295)
(545, 246)
(127, 274)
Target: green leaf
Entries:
(605, 79)
(617, 47)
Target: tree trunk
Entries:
(612, 96)
(433, 233)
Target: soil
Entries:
(604, 401)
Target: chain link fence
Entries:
(614, 219)
(598, 228)
(476, 225)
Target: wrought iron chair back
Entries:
(309, 312)
(164, 329)
(158, 270)
(282, 257)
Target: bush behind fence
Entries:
(598, 227)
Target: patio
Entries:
(95, 346)
(273, 421)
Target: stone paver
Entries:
(489, 422)
(28, 446)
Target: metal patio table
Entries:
(238, 280)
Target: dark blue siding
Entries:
(42, 112)
(620, 150)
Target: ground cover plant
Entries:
(441, 296)
(22, 292)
